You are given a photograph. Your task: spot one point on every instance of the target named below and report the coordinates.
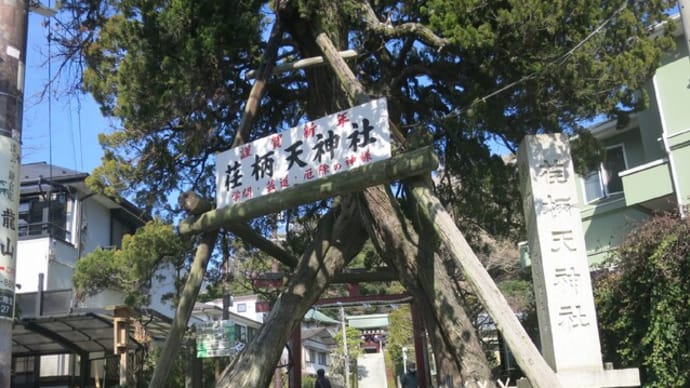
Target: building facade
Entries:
(646, 168)
(62, 339)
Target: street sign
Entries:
(9, 202)
(314, 150)
(217, 339)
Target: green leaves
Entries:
(131, 268)
(644, 314)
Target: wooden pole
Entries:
(13, 25)
(304, 63)
(526, 354)
(533, 364)
(413, 163)
(184, 311)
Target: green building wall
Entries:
(672, 87)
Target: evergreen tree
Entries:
(461, 75)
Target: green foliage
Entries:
(131, 268)
(519, 293)
(308, 381)
(337, 356)
(172, 72)
(353, 341)
(400, 336)
(468, 75)
(644, 315)
(587, 153)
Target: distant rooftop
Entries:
(371, 321)
(316, 315)
(32, 172)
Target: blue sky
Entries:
(73, 122)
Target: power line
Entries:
(557, 61)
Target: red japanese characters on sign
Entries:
(311, 151)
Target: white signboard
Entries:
(9, 203)
(217, 339)
(317, 149)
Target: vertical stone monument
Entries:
(562, 285)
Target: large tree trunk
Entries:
(398, 243)
(457, 348)
(340, 237)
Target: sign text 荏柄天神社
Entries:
(316, 149)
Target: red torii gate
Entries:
(275, 279)
(418, 330)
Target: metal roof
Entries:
(316, 315)
(318, 334)
(32, 172)
(79, 332)
(41, 177)
(371, 321)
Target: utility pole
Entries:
(14, 17)
(347, 355)
(13, 22)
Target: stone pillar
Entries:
(560, 272)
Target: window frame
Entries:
(39, 217)
(602, 173)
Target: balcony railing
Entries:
(44, 229)
(647, 182)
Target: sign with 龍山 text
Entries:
(314, 150)
(9, 198)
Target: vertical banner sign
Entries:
(314, 150)
(9, 198)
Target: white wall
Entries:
(249, 302)
(57, 365)
(160, 287)
(95, 226)
(32, 259)
(62, 260)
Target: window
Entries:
(40, 216)
(241, 307)
(312, 356)
(323, 359)
(241, 333)
(605, 181)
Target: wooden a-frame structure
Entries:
(411, 166)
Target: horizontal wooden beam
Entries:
(356, 276)
(303, 63)
(251, 236)
(364, 276)
(345, 301)
(409, 164)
